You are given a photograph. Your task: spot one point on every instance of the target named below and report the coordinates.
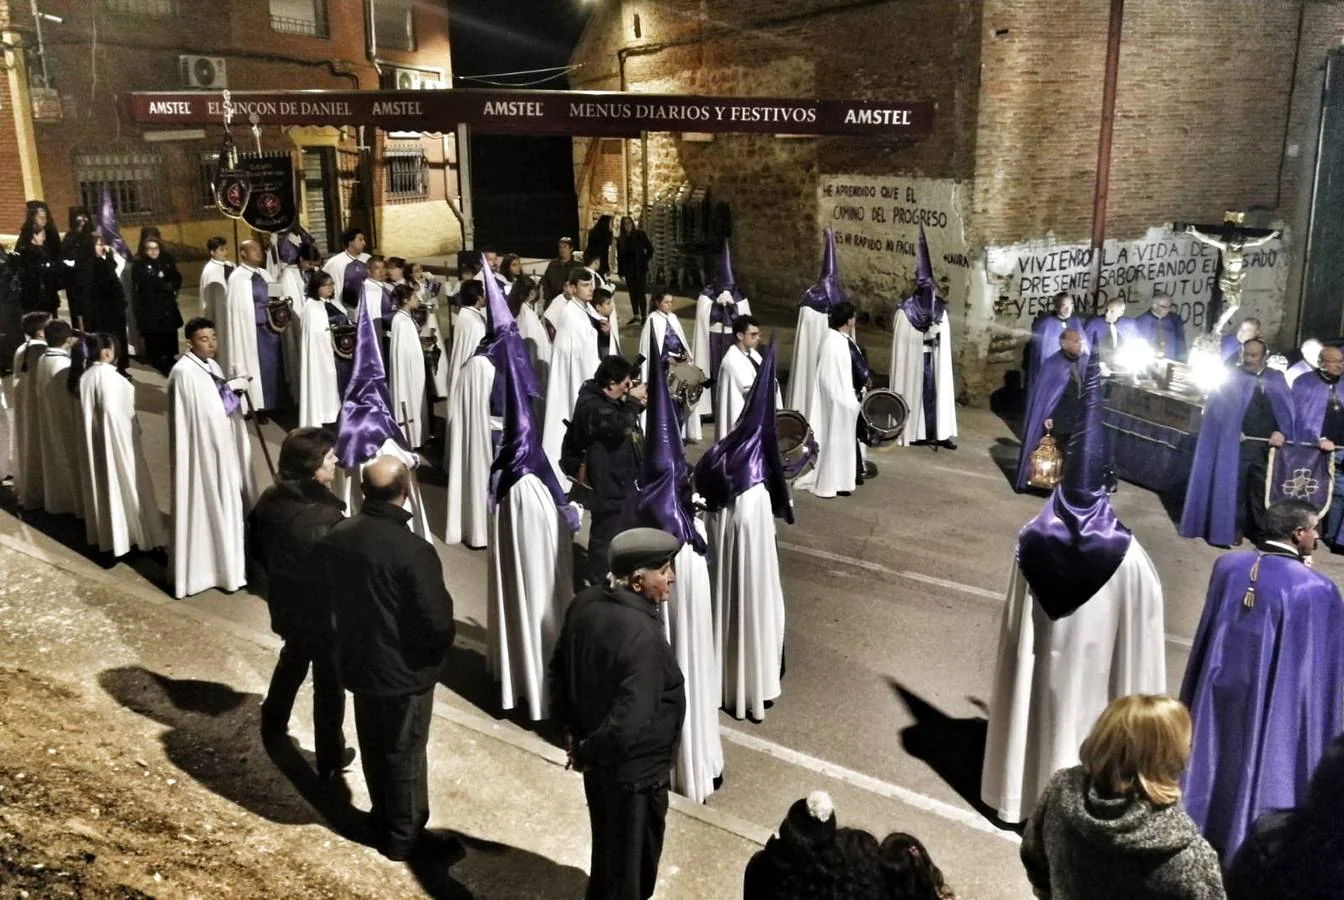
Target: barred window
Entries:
(207, 166)
(142, 7)
(306, 17)
(407, 173)
(134, 180)
(393, 24)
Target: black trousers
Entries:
(639, 300)
(328, 698)
(603, 528)
(1252, 470)
(160, 348)
(393, 733)
(628, 823)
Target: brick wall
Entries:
(11, 172)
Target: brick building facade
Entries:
(1217, 108)
(402, 187)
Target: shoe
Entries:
(869, 470)
(329, 775)
(948, 444)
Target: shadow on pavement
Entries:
(1004, 454)
(454, 866)
(467, 675)
(953, 748)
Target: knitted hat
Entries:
(810, 821)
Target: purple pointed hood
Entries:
(287, 250)
(924, 308)
(923, 264)
(749, 454)
(826, 292)
(502, 340)
(366, 420)
(662, 495)
(107, 225)
(724, 280)
(520, 451)
(1073, 547)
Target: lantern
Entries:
(1047, 465)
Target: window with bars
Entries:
(306, 17)
(207, 165)
(134, 180)
(142, 7)
(407, 173)
(394, 26)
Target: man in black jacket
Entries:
(394, 626)
(603, 447)
(287, 523)
(619, 696)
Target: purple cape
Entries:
(1263, 685)
(1095, 331)
(1042, 395)
(1045, 334)
(1311, 395)
(503, 341)
(1211, 493)
(1229, 348)
(366, 420)
(1171, 324)
(272, 374)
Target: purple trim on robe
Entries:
(672, 345)
(1311, 395)
(1263, 685)
(860, 371)
(1042, 395)
(352, 291)
(227, 396)
(929, 398)
(719, 342)
(366, 420)
(289, 251)
(269, 348)
(344, 367)
(1148, 325)
(107, 225)
(1096, 331)
(1045, 341)
(1211, 493)
(499, 325)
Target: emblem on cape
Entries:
(421, 316)
(233, 188)
(429, 344)
(343, 339)
(279, 313)
(268, 204)
(1298, 472)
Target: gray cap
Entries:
(641, 548)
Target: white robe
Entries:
(336, 266)
(835, 420)
(748, 602)
(1053, 679)
(529, 586)
(213, 482)
(213, 287)
(537, 340)
(406, 378)
(28, 468)
(553, 308)
(702, 331)
(736, 377)
(8, 440)
(807, 339)
(62, 436)
(319, 393)
(658, 322)
(688, 617)
(469, 453)
(574, 360)
(127, 513)
(468, 331)
(907, 379)
(291, 342)
(347, 487)
(237, 330)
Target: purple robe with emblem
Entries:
(1211, 494)
(1045, 334)
(1263, 685)
(270, 349)
(1042, 396)
(1097, 333)
(1172, 329)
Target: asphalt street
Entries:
(893, 601)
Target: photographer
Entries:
(603, 450)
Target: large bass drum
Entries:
(882, 417)
(797, 444)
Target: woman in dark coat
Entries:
(77, 267)
(599, 246)
(634, 250)
(157, 282)
(107, 298)
(39, 251)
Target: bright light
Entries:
(1207, 369)
(1134, 357)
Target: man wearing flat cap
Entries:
(618, 694)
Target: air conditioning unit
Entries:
(405, 80)
(203, 71)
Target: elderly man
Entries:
(248, 345)
(1162, 330)
(619, 696)
(1318, 417)
(1105, 333)
(1047, 331)
(394, 627)
(1230, 346)
(1054, 400)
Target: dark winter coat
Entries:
(40, 276)
(605, 434)
(616, 687)
(1081, 845)
(157, 282)
(285, 527)
(107, 297)
(633, 253)
(393, 615)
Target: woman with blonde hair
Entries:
(1114, 826)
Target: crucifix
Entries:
(1232, 240)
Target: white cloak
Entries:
(553, 308)
(1053, 679)
(319, 393)
(807, 340)
(907, 379)
(439, 377)
(537, 340)
(8, 441)
(127, 511)
(336, 266)
(574, 360)
(291, 341)
(237, 330)
(213, 288)
(469, 453)
(658, 322)
(347, 487)
(62, 436)
(748, 602)
(688, 617)
(736, 376)
(213, 483)
(406, 378)
(835, 420)
(468, 332)
(28, 468)
(529, 586)
(700, 351)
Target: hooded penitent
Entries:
(826, 292)
(366, 420)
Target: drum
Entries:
(797, 445)
(686, 382)
(882, 417)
